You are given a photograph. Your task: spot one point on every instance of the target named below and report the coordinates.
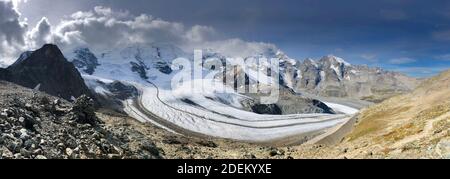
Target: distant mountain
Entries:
(332, 76)
(329, 76)
(46, 69)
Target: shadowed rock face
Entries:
(267, 109)
(48, 70)
(3, 73)
(288, 103)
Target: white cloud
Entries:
(40, 34)
(402, 60)
(370, 57)
(15, 3)
(422, 71)
(200, 33)
(240, 48)
(104, 28)
(445, 57)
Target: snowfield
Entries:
(341, 108)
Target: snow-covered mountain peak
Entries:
(310, 62)
(334, 60)
(84, 59)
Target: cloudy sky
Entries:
(411, 36)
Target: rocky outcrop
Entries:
(83, 111)
(266, 109)
(288, 103)
(140, 69)
(114, 94)
(291, 103)
(47, 70)
(121, 91)
(163, 67)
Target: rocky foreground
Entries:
(34, 125)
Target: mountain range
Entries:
(329, 76)
(135, 81)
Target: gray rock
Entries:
(69, 152)
(209, 144)
(139, 68)
(41, 157)
(6, 153)
(266, 109)
(83, 111)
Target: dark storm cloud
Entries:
(12, 31)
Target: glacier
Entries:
(211, 108)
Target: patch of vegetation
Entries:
(400, 133)
(417, 124)
(380, 95)
(373, 119)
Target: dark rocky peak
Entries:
(49, 69)
(46, 55)
(49, 52)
